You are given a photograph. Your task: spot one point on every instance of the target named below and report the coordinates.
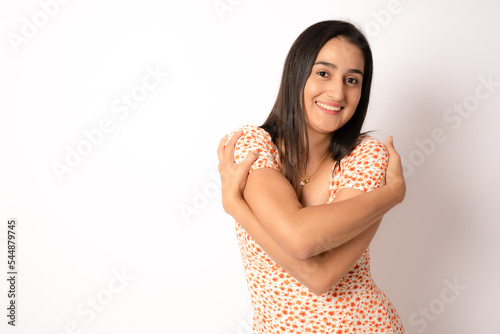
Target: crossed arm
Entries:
(316, 245)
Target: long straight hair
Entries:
(286, 123)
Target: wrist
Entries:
(231, 203)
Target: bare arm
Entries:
(306, 232)
(320, 272)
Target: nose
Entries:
(335, 89)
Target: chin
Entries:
(323, 129)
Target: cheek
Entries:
(354, 97)
(311, 89)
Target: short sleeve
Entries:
(252, 139)
(365, 167)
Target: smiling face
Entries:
(333, 88)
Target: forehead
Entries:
(342, 53)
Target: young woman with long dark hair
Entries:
(309, 202)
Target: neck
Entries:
(318, 146)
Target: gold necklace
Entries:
(305, 180)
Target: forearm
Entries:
(305, 232)
(328, 226)
(320, 272)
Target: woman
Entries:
(309, 206)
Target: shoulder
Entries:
(371, 144)
(255, 138)
(253, 135)
(252, 131)
(368, 150)
(364, 168)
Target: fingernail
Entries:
(390, 139)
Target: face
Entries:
(333, 89)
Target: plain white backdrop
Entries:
(110, 119)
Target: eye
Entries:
(323, 74)
(352, 81)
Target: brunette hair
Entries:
(286, 123)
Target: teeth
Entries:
(327, 107)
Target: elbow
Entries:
(319, 285)
(296, 242)
(301, 243)
(322, 286)
(300, 252)
(315, 277)
(313, 274)
(302, 248)
(297, 246)
(318, 290)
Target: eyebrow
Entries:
(352, 70)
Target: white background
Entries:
(119, 210)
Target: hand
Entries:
(233, 176)
(394, 176)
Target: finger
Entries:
(220, 149)
(229, 153)
(394, 167)
(389, 143)
(249, 160)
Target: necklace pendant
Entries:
(304, 181)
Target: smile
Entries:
(327, 107)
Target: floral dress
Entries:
(282, 304)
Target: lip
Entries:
(329, 112)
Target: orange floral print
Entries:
(282, 304)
